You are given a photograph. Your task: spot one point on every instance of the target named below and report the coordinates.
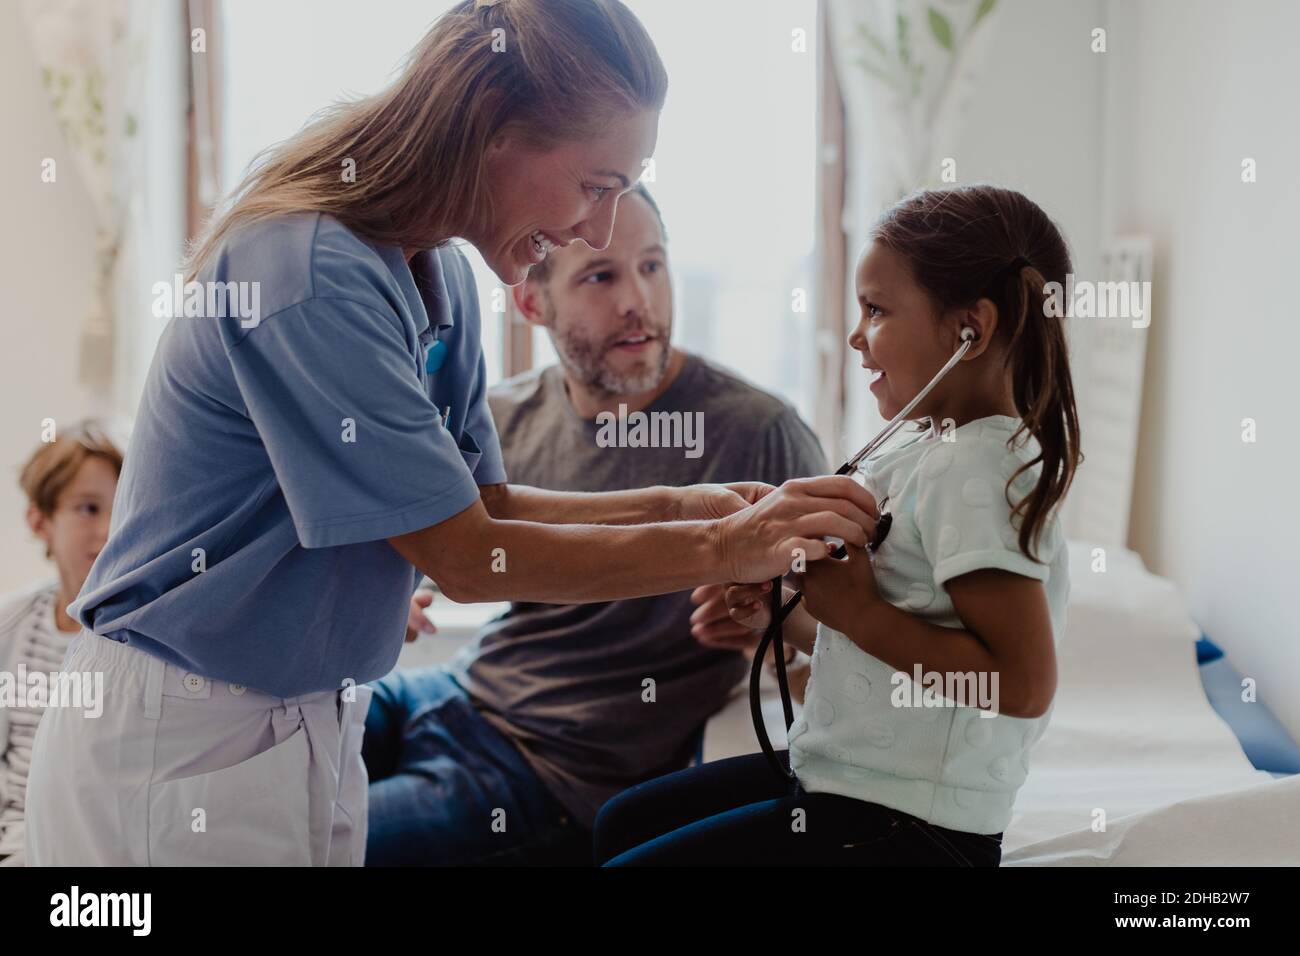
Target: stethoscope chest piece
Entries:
(883, 524)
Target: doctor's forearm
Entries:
(573, 563)
(526, 503)
(477, 557)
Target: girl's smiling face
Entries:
(899, 333)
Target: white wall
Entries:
(47, 268)
(1205, 85)
(1035, 125)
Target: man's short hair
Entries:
(542, 271)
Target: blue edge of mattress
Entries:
(1265, 741)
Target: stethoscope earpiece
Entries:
(968, 334)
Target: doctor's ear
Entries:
(981, 319)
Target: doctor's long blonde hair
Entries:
(552, 70)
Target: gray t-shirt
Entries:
(564, 682)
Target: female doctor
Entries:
(297, 466)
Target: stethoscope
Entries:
(772, 635)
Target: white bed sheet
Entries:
(1132, 734)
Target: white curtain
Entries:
(115, 72)
(92, 58)
(907, 69)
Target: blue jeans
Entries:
(737, 812)
(447, 788)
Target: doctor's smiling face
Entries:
(545, 198)
(609, 312)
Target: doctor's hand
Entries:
(416, 622)
(769, 537)
(751, 491)
(707, 502)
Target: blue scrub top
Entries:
(287, 450)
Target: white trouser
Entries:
(180, 770)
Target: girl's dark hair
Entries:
(959, 244)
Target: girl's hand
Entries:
(841, 594)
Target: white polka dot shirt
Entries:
(872, 733)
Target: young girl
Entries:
(933, 668)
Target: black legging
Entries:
(737, 812)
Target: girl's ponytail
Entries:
(1044, 395)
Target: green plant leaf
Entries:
(985, 8)
(871, 69)
(941, 28)
(872, 40)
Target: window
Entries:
(734, 168)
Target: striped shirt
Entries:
(28, 630)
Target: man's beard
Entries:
(585, 361)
